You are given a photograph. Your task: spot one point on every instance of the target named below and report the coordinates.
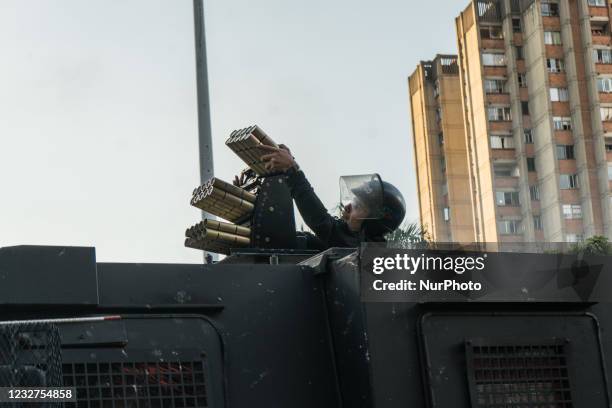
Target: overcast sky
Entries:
(98, 123)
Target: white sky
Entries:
(98, 125)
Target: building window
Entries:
(522, 80)
(494, 59)
(444, 189)
(599, 28)
(602, 56)
(509, 227)
(491, 32)
(552, 37)
(516, 24)
(441, 139)
(559, 94)
(443, 164)
(572, 211)
(438, 114)
(550, 9)
(604, 85)
(562, 123)
(528, 136)
(531, 164)
(609, 147)
(555, 65)
(606, 113)
(505, 169)
(565, 152)
(446, 214)
(525, 108)
(573, 238)
(502, 142)
(495, 86)
(568, 181)
(534, 192)
(537, 223)
(507, 198)
(519, 53)
(609, 171)
(498, 113)
(597, 3)
(436, 89)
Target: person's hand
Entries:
(278, 158)
(240, 180)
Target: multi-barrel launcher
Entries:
(249, 209)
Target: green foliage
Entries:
(595, 245)
(409, 234)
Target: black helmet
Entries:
(385, 203)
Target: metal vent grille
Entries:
(518, 376)
(137, 385)
(30, 355)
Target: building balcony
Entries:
(609, 156)
(607, 126)
(506, 182)
(498, 98)
(551, 23)
(503, 154)
(539, 235)
(532, 177)
(573, 226)
(561, 109)
(564, 137)
(601, 12)
(605, 97)
(524, 94)
(517, 39)
(535, 207)
(494, 71)
(492, 44)
(511, 238)
(500, 126)
(554, 51)
(527, 122)
(530, 150)
(557, 80)
(567, 166)
(571, 196)
(509, 210)
(601, 39)
(603, 69)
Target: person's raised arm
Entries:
(311, 208)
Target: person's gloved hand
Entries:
(240, 180)
(278, 158)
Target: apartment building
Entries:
(440, 150)
(535, 78)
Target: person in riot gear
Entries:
(371, 208)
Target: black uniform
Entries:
(330, 231)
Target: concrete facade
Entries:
(535, 78)
(440, 151)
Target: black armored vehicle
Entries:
(274, 325)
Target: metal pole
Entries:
(204, 132)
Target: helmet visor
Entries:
(364, 195)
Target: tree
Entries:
(595, 245)
(409, 234)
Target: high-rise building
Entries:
(535, 78)
(440, 151)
